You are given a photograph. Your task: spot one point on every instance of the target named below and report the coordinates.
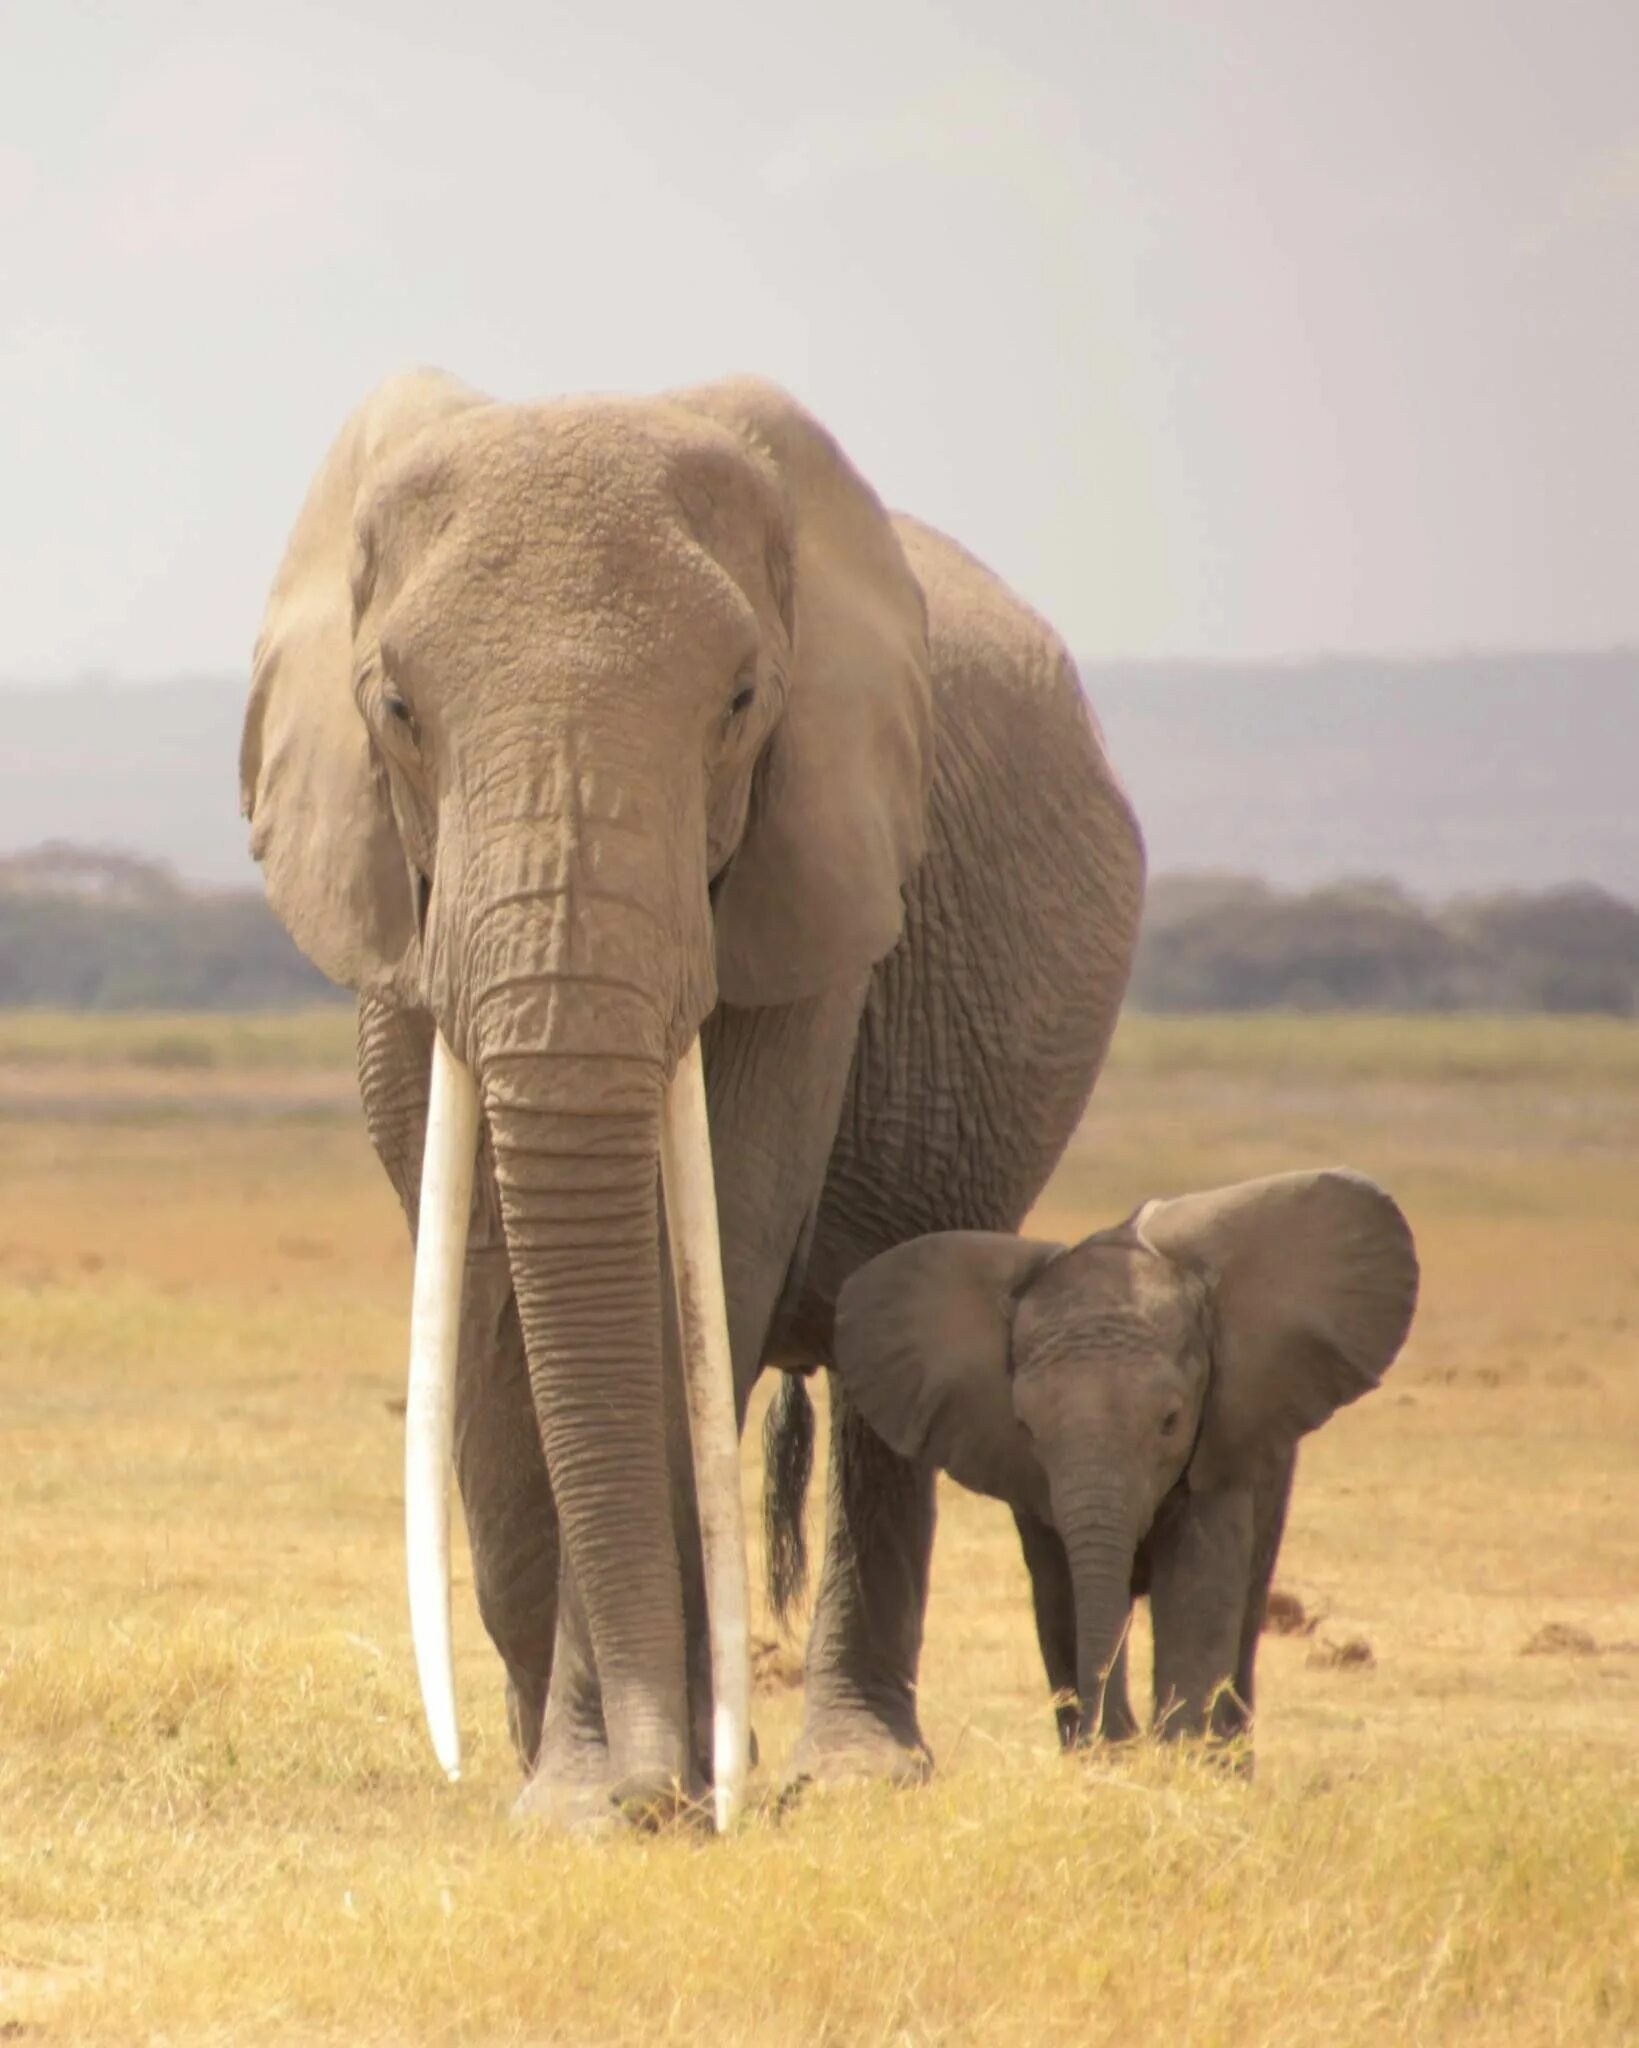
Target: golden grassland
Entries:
(219, 1820)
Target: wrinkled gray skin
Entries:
(577, 728)
(1137, 1400)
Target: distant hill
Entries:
(145, 768)
(1482, 772)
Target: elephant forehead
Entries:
(1110, 1300)
(602, 469)
(601, 511)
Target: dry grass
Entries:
(218, 1817)
(299, 1040)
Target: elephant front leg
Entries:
(512, 1523)
(866, 1639)
(1271, 1495)
(1053, 1597)
(569, 1783)
(1201, 1568)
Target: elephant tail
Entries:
(788, 1464)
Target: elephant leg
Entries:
(866, 1640)
(1201, 1567)
(1271, 1496)
(574, 1745)
(1053, 1598)
(1118, 1723)
(776, 1080)
(512, 1524)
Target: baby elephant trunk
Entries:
(1098, 1530)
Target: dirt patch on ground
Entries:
(1561, 1639)
(1346, 1653)
(1284, 1614)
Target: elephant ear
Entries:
(922, 1337)
(815, 892)
(321, 821)
(1313, 1279)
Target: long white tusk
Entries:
(708, 1372)
(429, 1411)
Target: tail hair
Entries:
(788, 1465)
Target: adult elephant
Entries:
(578, 730)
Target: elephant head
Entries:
(1166, 1360)
(568, 722)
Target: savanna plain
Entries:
(219, 1817)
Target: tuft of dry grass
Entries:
(219, 1820)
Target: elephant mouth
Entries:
(445, 1209)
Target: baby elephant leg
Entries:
(1200, 1577)
(1271, 1494)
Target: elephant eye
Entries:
(398, 711)
(1171, 1420)
(742, 699)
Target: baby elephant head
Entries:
(1186, 1349)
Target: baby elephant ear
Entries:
(1313, 1279)
(922, 1347)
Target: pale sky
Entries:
(1224, 327)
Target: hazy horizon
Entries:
(1278, 662)
(1302, 330)
(1449, 775)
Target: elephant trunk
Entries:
(573, 1027)
(575, 1143)
(1097, 1528)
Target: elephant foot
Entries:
(1226, 1751)
(850, 1748)
(587, 1807)
(1229, 1754)
(1077, 1731)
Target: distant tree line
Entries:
(1229, 942)
(84, 929)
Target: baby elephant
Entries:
(1136, 1399)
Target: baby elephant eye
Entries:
(742, 699)
(1171, 1420)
